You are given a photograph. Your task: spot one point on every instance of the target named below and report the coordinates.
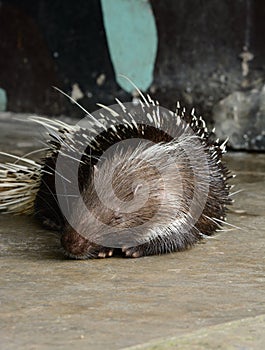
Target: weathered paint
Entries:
(3, 100)
(132, 40)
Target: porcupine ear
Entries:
(19, 184)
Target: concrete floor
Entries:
(212, 296)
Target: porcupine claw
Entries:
(105, 253)
(133, 252)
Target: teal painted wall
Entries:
(3, 100)
(132, 40)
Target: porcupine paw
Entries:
(104, 252)
(133, 252)
(78, 247)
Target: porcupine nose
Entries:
(74, 244)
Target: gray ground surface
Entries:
(48, 302)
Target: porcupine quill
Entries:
(160, 189)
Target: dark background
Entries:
(48, 42)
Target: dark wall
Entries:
(46, 43)
(51, 42)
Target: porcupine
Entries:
(161, 189)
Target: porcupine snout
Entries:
(74, 244)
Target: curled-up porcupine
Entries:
(133, 179)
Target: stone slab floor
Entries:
(212, 296)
